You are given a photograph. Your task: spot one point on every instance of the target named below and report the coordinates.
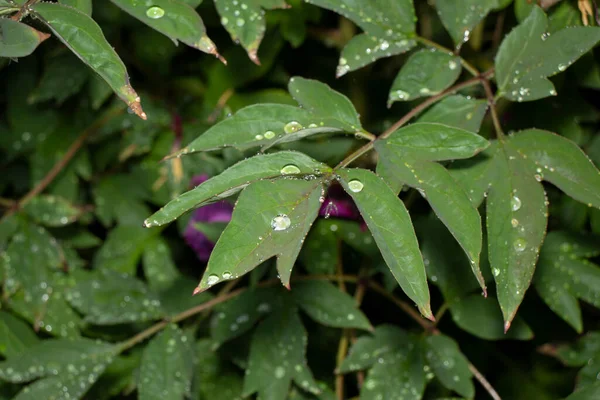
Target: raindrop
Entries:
(280, 222)
(496, 272)
(515, 203)
(538, 177)
(452, 65)
(155, 12)
(269, 135)
(240, 22)
(520, 244)
(224, 21)
(290, 169)
(384, 45)
(259, 137)
(279, 372)
(514, 222)
(562, 67)
(355, 185)
(292, 126)
(402, 95)
(226, 275)
(212, 279)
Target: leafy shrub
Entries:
(267, 175)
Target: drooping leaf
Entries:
(65, 368)
(173, 18)
(329, 306)
(16, 335)
(404, 159)
(245, 21)
(236, 178)
(529, 55)
(425, 73)
(277, 357)
(448, 363)
(106, 297)
(460, 17)
(457, 111)
(287, 209)
(166, 366)
(391, 226)
(238, 315)
(563, 275)
(17, 39)
(52, 211)
(84, 37)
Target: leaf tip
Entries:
(253, 55)
(197, 290)
(506, 326)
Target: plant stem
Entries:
(484, 382)
(24, 8)
(492, 103)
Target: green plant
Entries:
(97, 285)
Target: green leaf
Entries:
(460, 17)
(17, 335)
(482, 317)
(400, 164)
(425, 73)
(236, 178)
(287, 209)
(563, 275)
(85, 6)
(580, 352)
(320, 253)
(167, 366)
(238, 315)
(67, 368)
(321, 100)
(389, 222)
(457, 111)
(368, 349)
(106, 297)
(528, 56)
(364, 49)
(63, 77)
(123, 248)
(17, 39)
(277, 357)
(562, 163)
(329, 306)
(215, 379)
(117, 378)
(449, 364)
(52, 211)
(159, 269)
(84, 37)
(172, 18)
(260, 125)
(120, 198)
(176, 298)
(245, 21)
(589, 393)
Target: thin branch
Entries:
(23, 10)
(484, 382)
(492, 103)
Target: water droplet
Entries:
(424, 90)
(212, 279)
(401, 94)
(155, 12)
(384, 45)
(496, 272)
(515, 203)
(514, 222)
(545, 35)
(269, 135)
(312, 126)
(279, 372)
(538, 177)
(281, 222)
(290, 169)
(562, 67)
(226, 275)
(224, 21)
(452, 65)
(240, 22)
(292, 126)
(259, 137)
(520, 244)
(355, 185)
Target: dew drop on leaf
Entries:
(226, 275)
(520, 244)
(280, 222)
(279, 372)
(155, 12)
(515, 203)
(292, 126)
(269, 135)
(259, 137)
(290, 169)
(496, 272)
(212, 279)
(355, 185)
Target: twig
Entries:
(225, 96)
(484, 382)
(23, 9)
(492, 103)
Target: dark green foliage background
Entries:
(78, 263)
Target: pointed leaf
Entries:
(172, 18)
(246, 22)
(167, 366)
(260, 125)
(321, 100)
(528, 56)
(563, 275)
(85, 6)
(329, 306)
(425, 73)
(460, 17)
(159, 269)
(236, 178)
(123, 248)
(84, 37)
(52, 211)
(277, 357)
(562, 163)
(17, 39)
(287, 209)
(449, 364)
(457, 111)
(106, 297)
(364, 49)
(389, 222)
(476, 174)
(238, 315)
(16, 335)
(589, 393)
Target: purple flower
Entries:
(215, 212)
(339, 204)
